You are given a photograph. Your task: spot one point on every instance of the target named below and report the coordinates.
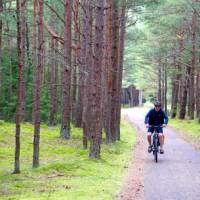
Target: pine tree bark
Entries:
(81, 70)
(88, 68)
(191, 107)
(96, 113)
(37, 83)
(115, 70)
(183, 99)
(121, 60)
(53, 91)
(66, 74)
(108, 63)
(176, 80)
(21, 46)
(198, 94)
(1, 32)
(76, 57)
(163, 85)
(165, 88)
(175, 91)
(9, 52)
(159, 94)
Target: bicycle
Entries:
(155, 143)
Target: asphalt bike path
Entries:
(176, 176)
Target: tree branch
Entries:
(54, 11)
(56, 36)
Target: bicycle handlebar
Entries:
(150, 126)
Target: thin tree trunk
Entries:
(121, 59)
(82, 66)
(96, 113)
(198, 94)
(88, 67)
(10, 93)
(184, 96)
(21, 46)
(192, 72)
(37, 87)
(53, 91)
(175, 91)
(53, 73)
(108, 55)
(165, 88)
(115, 70)
(75, 60)
(66, 74)
(1, 31)
(159, 85)
(56, 80)
(163, 85)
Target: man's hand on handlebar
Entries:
(162, 126)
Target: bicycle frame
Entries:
(155, 143)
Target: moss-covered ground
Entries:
(189, 127)
(65, 170)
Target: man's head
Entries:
(157, 105)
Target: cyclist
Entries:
(156, 117)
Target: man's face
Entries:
(157, 108)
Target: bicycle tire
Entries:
(156, 150)
(156, 156)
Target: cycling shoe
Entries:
(150, 149)
(161, 151)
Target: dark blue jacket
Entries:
(155, 118)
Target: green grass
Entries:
(65, 170)
(189, 127)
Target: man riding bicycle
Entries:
(156, 117)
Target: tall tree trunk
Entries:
(66, 74)
(163, 85)
(176, 80)
(82, 66)
(10, 90)
(115, 70)
(37, 86)
(108, 63)
(192, 72)
(53, 91)
(96, 113)
(88, 68)
(76, 56)
(121, 60)
(175, 91)
(53, 73)
(166, 88)
(184, 96)
(159, 96)
(21, 46)
(1, 31)
(198, 94)
(57, 70)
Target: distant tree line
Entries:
(162, 54)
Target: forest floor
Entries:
(176, 176)
(65, 172)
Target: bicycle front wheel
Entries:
(156, 156)
(156, 150)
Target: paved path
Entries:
(176, 176)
